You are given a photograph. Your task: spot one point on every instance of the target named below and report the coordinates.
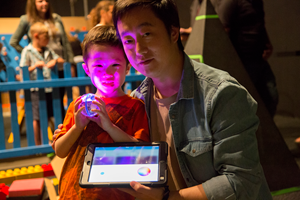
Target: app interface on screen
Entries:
(125, 164)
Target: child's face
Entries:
(107, 68)
(43, 39)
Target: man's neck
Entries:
(169, 84)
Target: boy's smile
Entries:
(107, 68)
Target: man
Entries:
(207, 118)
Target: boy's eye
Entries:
(146, 34)
(116, 65)
(98, 65)
(128, 41)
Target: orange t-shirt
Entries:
(125, 112)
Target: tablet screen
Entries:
(125, 164)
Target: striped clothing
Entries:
(30, 56)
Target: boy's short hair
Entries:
(165, 10)
(101, 35)
(38, 27)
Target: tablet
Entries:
(117, 164)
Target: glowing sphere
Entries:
(87, 101)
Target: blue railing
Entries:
(12, 86)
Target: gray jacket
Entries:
(24, 27)
(214, 127)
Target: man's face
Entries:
(146, 42)
(107, 68)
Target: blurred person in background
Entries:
(40, 11)
(244, 22)
(102, 13)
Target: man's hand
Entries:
(143, 192)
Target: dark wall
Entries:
(184, 12)
(16, 8)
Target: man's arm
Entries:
(234, 124)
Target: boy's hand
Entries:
(51, 64)
(60, 60)
(80, 120)
(39, 64)
(102, 118)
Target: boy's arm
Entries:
(64, 143)
(103, 120)
(26, 61)
(118, 135)
(38, 64)
(55, 60)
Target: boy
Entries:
(120, 118)
(37, 55)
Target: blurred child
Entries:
(120, 118)
(37, 55)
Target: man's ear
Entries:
(86, 69)
(174, 34)
(128, 68)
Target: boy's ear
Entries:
(128, 68)
(174, 34)
(35, 35)
(86, 69)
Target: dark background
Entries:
(16, 8)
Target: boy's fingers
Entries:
(100, 105)
(80, 109)
(77, 104)
(99, 99)
(57, 131)
(60, 126)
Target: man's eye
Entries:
(98, 65)
(146, 34)
(116, 65)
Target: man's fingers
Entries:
(139, 188)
